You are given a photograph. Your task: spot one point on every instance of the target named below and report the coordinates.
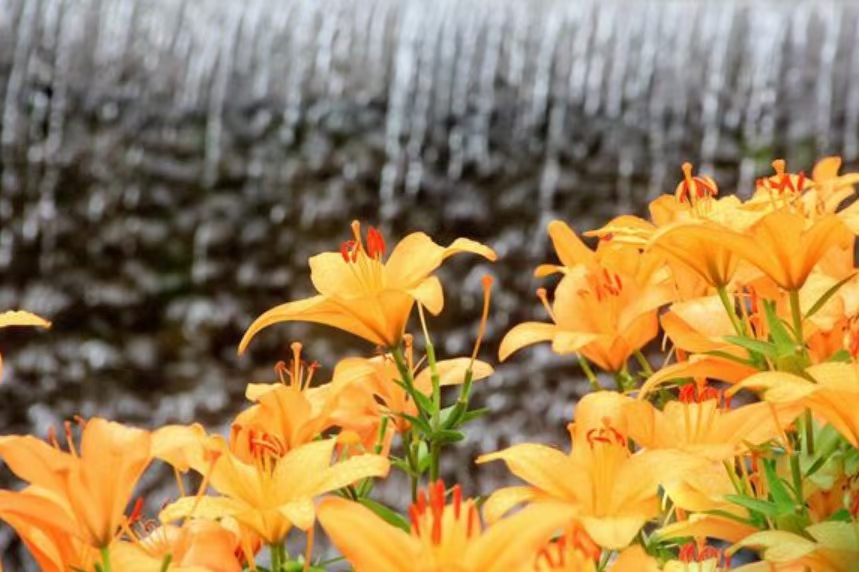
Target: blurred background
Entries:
(167, 167)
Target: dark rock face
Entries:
(166, 169)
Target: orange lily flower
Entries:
(833, 394)
(786, 247)
(701, 425)
(95, 483)
(611, 492)
(47, 529)
(699, 367)
(604, 315)
(443, 537)
(20, 318)
(376, 377)
(362, 294)
(198, 545)
(829, 189)
(699, 325)
(276, 490)
(825, 547)
(574, 551)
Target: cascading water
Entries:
(168, 166)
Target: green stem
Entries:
(796, 313)
(589, 373)
(276, 563)
(731, 310)
(435, 414)
(796, 473)
(808, 422)
(105, 559)
(642, 361)
(410, 436)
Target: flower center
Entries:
(444, 529)
(691, 190)
(571, 552)
(298, 374)
(699, 552)
(365, 261)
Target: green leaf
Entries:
(782, 497)
(420, 422)
(728, 515)
(815, 466)
(826, 296)
(473, 414)
(841, 355)
(445, 436)
(729, 356)
(403, 466)
(841, 515)
(785, 343)
(387, 514)
(756, 505)
(424, 403)
(754, 346)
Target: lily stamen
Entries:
(486, 282)
(542, 295)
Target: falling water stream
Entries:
(167, 166)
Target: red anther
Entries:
(708, 393)
(52, 437)
(854, 504)
(136, 511)
(562, 547)
(708, 552)
(607, 237)
(349, 251)
(547, 556)
(688, 553)
(375, 243)
(80, 421)
(800, 181)
(687, 393)
(422, 502)
(472, 520)
(457, 501)
(67, 425)
(618, 437)
(415, 517)
(281, 368)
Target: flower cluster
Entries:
(745, 439)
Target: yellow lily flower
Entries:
(198, 545)
(276, 490)
(95, 483)
(611, 492)
(20, 318)
(829, 189)
(443, 538)
(362, 294)
(833, 394)
(573, 551)
(825, 547)
(699, 367)
(47, 529)
(701, 425)
(603, 315)
(786, 247)
(699, 325)
(376, 376)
